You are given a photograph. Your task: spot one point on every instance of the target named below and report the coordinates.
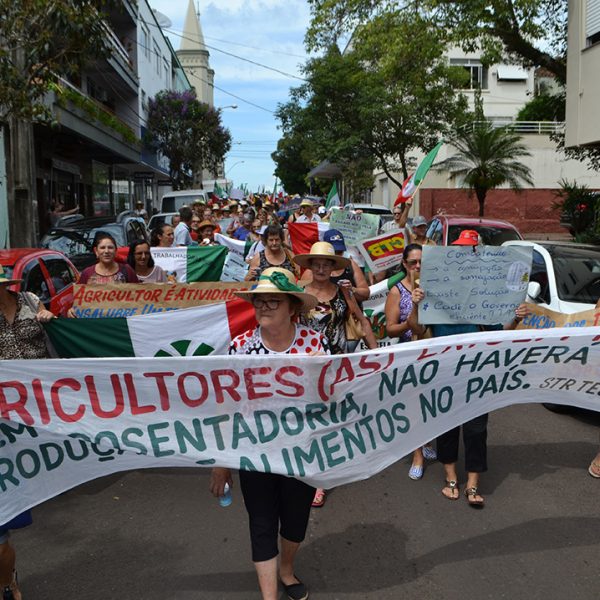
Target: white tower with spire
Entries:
(194, 56)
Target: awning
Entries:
(511, 73)
(325, 170)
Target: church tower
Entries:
(194, 56)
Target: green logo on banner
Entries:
(182, 348)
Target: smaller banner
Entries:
(476, 285)
(384, 251)
(355, 227)
(191, 263)
(235, 267)
(544, 318)
(127, 300)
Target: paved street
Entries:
(160, 536)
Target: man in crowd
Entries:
(182, 231)
(308, 215)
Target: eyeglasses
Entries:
(413, 261)
(397, 214)
(272, 304)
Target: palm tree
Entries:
(488, 157)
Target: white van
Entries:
(173, 201)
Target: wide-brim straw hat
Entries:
(321, 250)
(307, 203)
(5, 281)
(207, 223)
(276, 280)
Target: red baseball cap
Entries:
(467, 237)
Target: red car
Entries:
(50, 275)
(445, 229)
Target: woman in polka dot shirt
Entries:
(275, 503)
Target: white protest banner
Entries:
(329, 420)
(480, 285)
(354, 226)
(384, 251)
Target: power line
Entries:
(255, 48)
(232, 55)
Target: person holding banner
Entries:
(273, 255)
(474, 432)
(107, 269)
(140, 260)
(275, 503)
(21, 337)
(400, 319)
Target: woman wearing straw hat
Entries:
(335, 306)
(275, 502)
(21, 337)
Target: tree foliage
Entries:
(389, 93)
(488, 157)
(40, 40)
(189, 133)
(533, 31)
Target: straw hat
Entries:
(467, 237)
(321, 250)
(5, 281)
(207, 223)
(307, 202)
(276, 280)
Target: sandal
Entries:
(319, 498)
(429, 453)
(471, 494)
(453, 487)
(594, 470)
(11, 592)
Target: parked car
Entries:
(158, 219)
(76, 238)
(565, 277)
(50, 275)
(445, 229)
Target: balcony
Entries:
(524, 127)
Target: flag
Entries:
(406, 191)
(425, 165)
(235, 267)
(218, 191)
(333, 198)
(197, 331)
(191, 263)
(304, 235)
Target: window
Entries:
(435, 232)
(539, 274)
(60, 272)
(146, 41)
(478, 74)
(592, 22)
(167, 73)
(33, 281)
(158, 58)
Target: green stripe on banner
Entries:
(90, 338)
(205, 263)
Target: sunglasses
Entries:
(413, 261)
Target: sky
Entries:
(270, 32)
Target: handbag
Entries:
(354, 328)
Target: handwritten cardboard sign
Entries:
(355, 227)
(477, 286)
(544, 318)
(383, 251)
(95, 301)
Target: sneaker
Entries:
(429, 453)
(416, 472)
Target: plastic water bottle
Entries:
(226, 499)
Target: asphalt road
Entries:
(159, 535)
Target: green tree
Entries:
(486, 158)
(40, 41)
(189, 133)
(544, 107)
(291, 165)
(389, 93)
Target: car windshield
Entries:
(72, 244)
(577, 272)
(8, 271)
(489, 236)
